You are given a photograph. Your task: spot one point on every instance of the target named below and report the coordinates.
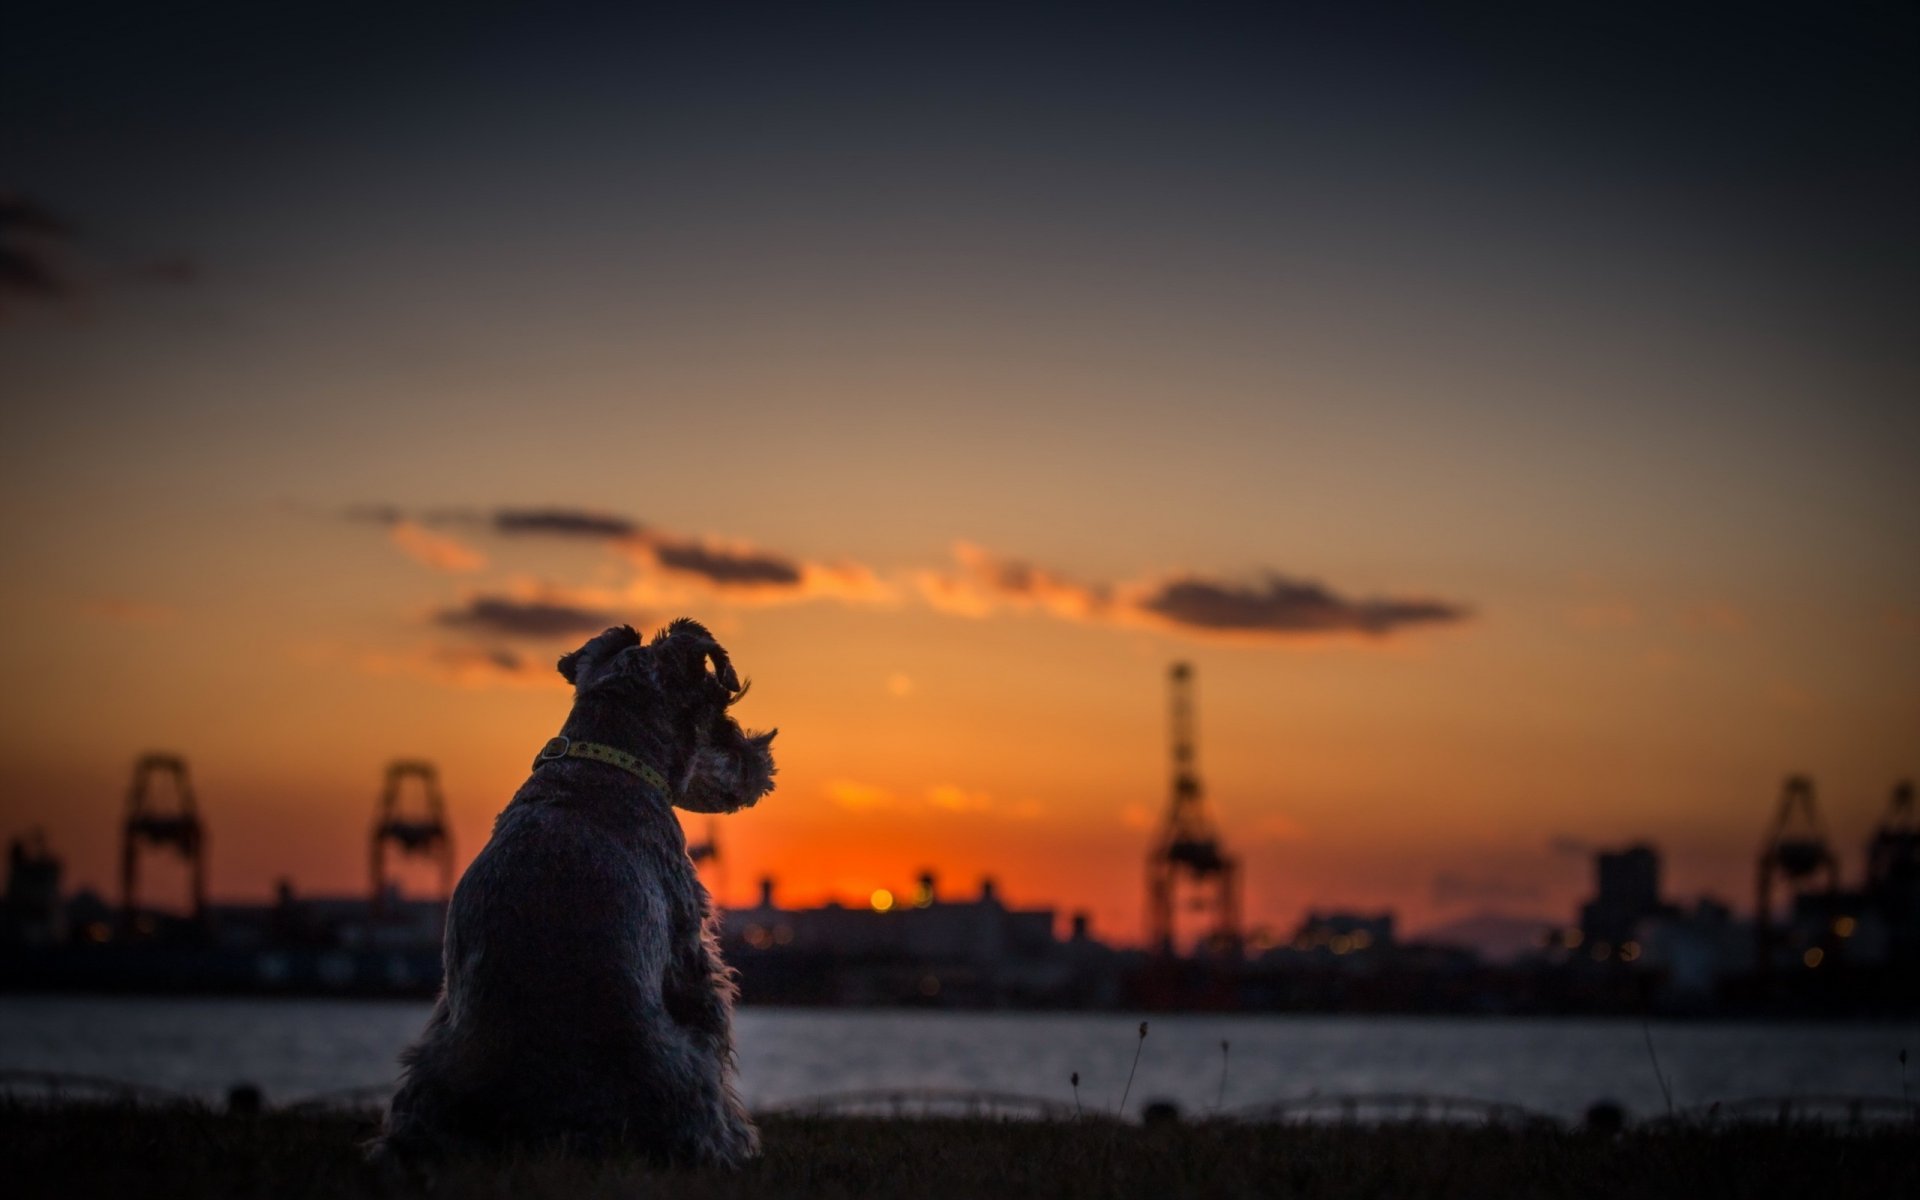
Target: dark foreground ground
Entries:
(127, 1152)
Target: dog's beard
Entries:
(727, 780)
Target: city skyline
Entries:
(1510, 419)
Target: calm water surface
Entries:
(295, 1048)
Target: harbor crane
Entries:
(1796, 854)
(425, 836)
(1188, 856)
(148, 826)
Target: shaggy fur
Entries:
(585, 1002)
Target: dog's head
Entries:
(682, 684)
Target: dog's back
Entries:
(585, 1003)
(554, 963)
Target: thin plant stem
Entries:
(1221, 1097)
(1137, 1047)
(1647, 1032)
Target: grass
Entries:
(147, 1152)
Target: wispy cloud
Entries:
(508, 616)
(472, 667)
(672, 570)
(564, 522)
(951, 797)
(858, 797)
(41, 258)
(723, 566)
(1284, 607)
(436, 550)
(982, 583)
(31, 239)
(732, 570)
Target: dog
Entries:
(585, 1005)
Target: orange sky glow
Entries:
(1517, 435)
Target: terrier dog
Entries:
(585, 1004)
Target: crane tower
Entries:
(708, 851)
(1893, 856)
(1796, 854)
(180, 831)
(1893, 876)
(1188, 857)
(415, 837)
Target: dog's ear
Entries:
(683, 649)
(729, 772)
(581, 666)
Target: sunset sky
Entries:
(1511, 415)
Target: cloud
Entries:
(508, 616)
(858, 797)
(718, 564)
(30, 236)
(564, 522)
(373, 514)
(732, 569)
(435, 550)
(1283, 607)
(985, 582)
(675, 570)
(36, 252)
(982, 583)
(472, 667)
(952, 797)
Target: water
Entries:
(295, 1049)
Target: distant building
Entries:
(918, 948)
(1627, 892)
(32, 914)
(1695, 953)
(1338, 935)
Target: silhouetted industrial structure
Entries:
(180, 831)
(1795, 854)
(707, 851)
(424, 836)
(1893, 874)
(1813, 947)
(32, 913)
(1188, 856)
